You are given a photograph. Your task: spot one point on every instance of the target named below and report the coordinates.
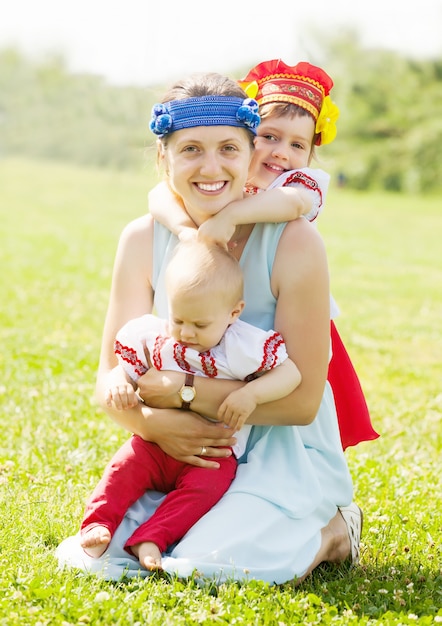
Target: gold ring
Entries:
(203, 450)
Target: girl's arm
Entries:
(303, 319)
(281, 204)
(167, 209)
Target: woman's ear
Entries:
(162, 157)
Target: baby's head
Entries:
(205, 294)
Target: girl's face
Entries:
(198, 321)
(282, 144)
(208, 167)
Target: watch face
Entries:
(187, 394)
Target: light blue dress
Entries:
(289, 482)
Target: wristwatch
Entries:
(187, 392)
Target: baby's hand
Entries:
(122, 397)
(236, 408)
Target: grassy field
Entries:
(59, 227)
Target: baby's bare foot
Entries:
(95, 541)
(149, 555)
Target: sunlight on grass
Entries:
(59, 229)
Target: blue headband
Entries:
(204, 111)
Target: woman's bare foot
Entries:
(335, 544)
(338, 540)
(149, 555)
(95, 541)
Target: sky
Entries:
(146, 42)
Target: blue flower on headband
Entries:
(248, 113)
(161, 121)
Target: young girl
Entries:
(202, 337)
(289, 98)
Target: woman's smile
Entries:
(211, 187)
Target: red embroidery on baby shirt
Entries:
(208, 364)
(157, 361)
(270, 349)
(179, 354)
(129, 355)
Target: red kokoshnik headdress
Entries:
(304, 84)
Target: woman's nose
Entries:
(211, 165)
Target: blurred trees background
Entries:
(389, 131)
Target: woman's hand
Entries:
(184, 435)
(188, 437)
(160, 389)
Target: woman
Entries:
(280, 517)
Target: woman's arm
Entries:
(271, 385)
(179, 433)
(302, 317)
(167, 209)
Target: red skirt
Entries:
(351, 407)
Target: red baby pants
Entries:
(140, 465)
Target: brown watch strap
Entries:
(187, 383)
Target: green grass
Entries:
(59, 227)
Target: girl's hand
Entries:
(218, 229)
(187, 234)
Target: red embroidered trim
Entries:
(208, 364)
(250, 190)
(302, 179)
(270, 350)
(130, 356)
(157, 361)
(179, 354)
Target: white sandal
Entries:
(354, 519)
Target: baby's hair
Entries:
(206, 269)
